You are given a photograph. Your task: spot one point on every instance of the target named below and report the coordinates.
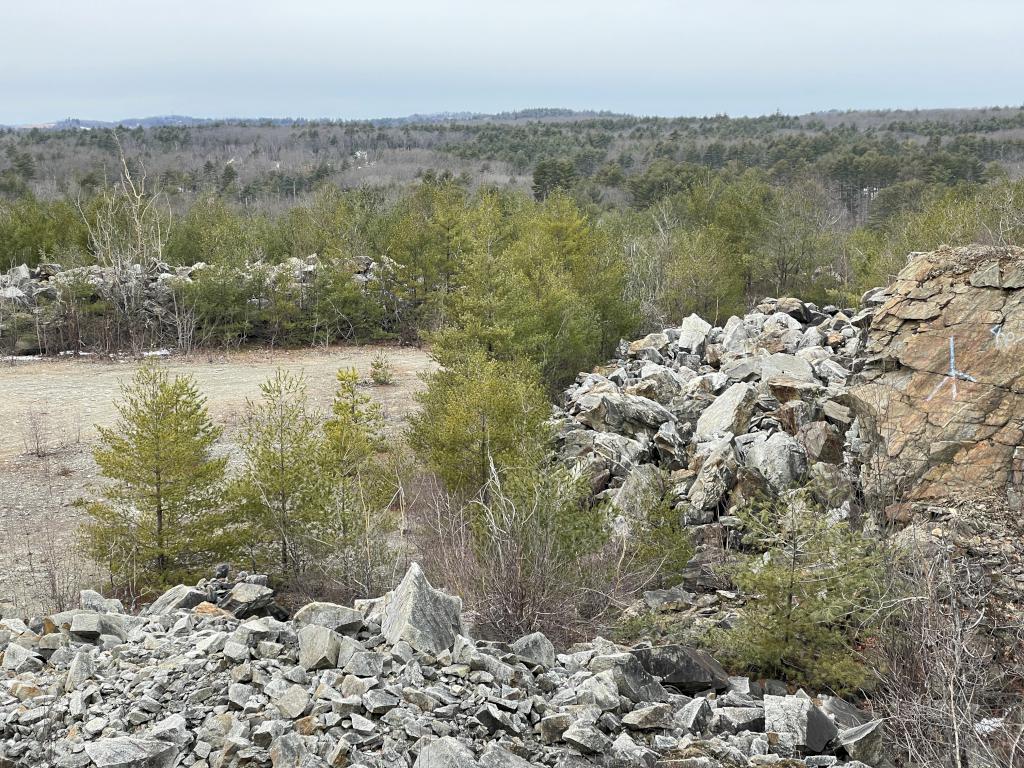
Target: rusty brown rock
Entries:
(927, 430)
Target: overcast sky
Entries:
(111, 59)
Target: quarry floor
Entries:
(58, 402)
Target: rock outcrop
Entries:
(198, 686)
(942, 396)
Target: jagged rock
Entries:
(494, 756)
(821, 441)
(780, 459)
(91, 600)
(799, 722)
(318, 647)
(715, 478)
(693, 332)
(446, 752)
(535, 649)
(654, 717)
(335, 617)
(864, 742)
(730, 412)
(175, 598)
(130, 752)
(624, 414)
(655, 341)
(426, 618)
(586, 738)
(738, 719)
(936, 443)
(632, 680)
(246, 599)
(206, 688)
(788, 366)
(695, 716)
(689, 670)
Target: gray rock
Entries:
(737, 719)
(446, 752)
(653, 717)
(318, 647)
(780, 459)
(536, 650)
(799, 722)
(494, 756)
(629, 415)
(81, 669)
(864, 742)
(586, 738)
(695, 716)
(335, 617)
(690, 670)
(19, 659)
(292, 702)
(246, 599)
(92, 600)
(426, 618)
(131, 752)
(633, 681)
(730, 412)
(784, 365)
(693, 332)
(175, 598)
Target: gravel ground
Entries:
(57, 403)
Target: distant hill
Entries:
(155, 121)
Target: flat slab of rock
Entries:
(730, 412)
(689, 670)
(175, 598)
(446, 752)
(335, 617)
(130, 752)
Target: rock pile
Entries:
(390, 682)
(152, 288)
(717, 415)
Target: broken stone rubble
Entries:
(402, 686)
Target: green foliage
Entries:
(315, 501)
(366, 474)
(661, 542)
(156, 520)
(31, 229)
(381, 370)
(816, 587)
(356, 427)
(546, 286)
(283, 489)
(704, 276)
(552, 174)
(213, 232)
(475, 412)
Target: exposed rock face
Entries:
(203, 688)
(942, 398)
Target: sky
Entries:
(113, 59)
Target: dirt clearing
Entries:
(51, 407)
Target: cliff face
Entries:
(941, 398)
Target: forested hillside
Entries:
(673, 215)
